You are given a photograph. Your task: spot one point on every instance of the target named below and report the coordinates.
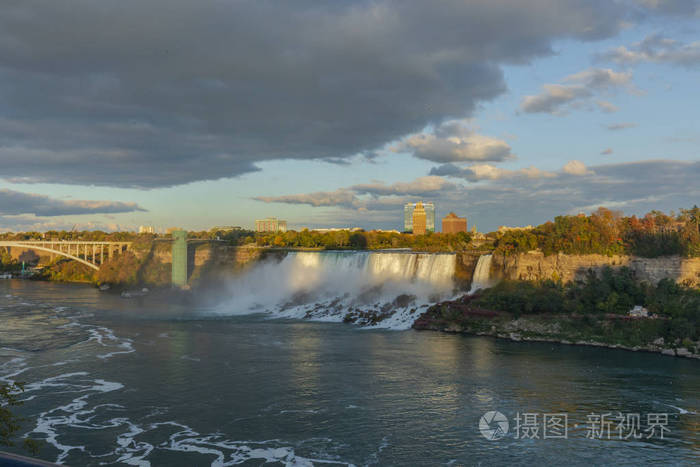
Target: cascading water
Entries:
(335, 285)
(482, 274)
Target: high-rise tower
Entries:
(408, 213)
(419, 219)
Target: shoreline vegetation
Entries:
(602, 232)
(593, 312)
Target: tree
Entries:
(358, 240)
(278, 241)
(6, 261)
(10, 423)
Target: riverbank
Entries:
(466, 316)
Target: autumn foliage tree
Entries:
(607, 232)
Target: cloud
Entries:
(419, 186)
(14, 203)
(30, 223)
(606, 152)
(552, 98)
(478, 172)
(454, 141)
(575, 167)
(634, 187)
(556, 99)
(672, 7)
(620, 126)
(352, 197)
(340, 197)
(606, 106)
(656, 49)
(166, 92)
(600, 78)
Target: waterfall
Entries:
(482, 274)
(327, 285)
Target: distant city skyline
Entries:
(508, 115)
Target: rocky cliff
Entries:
(209, 262)
(534, 265)
(464, 268)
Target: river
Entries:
(140, 382)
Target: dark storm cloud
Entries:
(164, 92)
(15, 203)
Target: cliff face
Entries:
(150, 264)
(534, 265)
(464, 268)
(210, 262)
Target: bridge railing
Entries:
(90, 253)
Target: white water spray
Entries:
(482, 274)
(328, 285)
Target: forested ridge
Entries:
(608, 232)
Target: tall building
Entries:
(408, 217)
(419, 219)
(147, 229)
(270, 224)
(451, 223)
(429, 217)
(429, 209)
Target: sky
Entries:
(219, 112)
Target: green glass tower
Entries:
(179, 278)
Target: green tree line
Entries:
(613, 292)
(607, 232)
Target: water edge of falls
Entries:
(374, 288)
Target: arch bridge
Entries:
(91, 254)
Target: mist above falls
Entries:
(335, 285)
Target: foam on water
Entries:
(106, 338)
(326, 286)
(81, 413)
(74, 408)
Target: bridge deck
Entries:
(92, 252)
